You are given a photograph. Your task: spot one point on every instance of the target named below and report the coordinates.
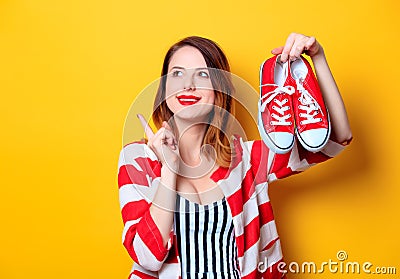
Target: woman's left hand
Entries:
(296, 44)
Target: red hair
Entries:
(217, 133)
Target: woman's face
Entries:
(189, 91)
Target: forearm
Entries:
(341, 131)
(163, 205)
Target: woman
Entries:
(187, 215)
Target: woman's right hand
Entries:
(162, 207)
(163, 143)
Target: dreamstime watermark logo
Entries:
(339, 265)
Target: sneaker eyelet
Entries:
(270, 123)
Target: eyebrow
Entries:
(177, 67)
(183, 68)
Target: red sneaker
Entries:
(312, 119)
(275, 113)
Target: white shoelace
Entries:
(281, 109)
(308, 104)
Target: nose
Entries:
(189, 83)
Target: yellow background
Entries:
(69, 71)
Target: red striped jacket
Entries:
(245, 186)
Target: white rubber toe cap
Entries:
(282, 140)
(314, 139)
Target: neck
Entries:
(193, 163)
(190, 138)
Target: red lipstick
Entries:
(187, 100)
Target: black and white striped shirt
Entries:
(206, 242)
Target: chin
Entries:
(195, 113)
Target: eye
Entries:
(177, 73)
(203, 74)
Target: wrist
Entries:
(170, 168)
(168, 181)
(320, 56)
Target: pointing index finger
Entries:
(147, 129)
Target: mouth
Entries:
(187, 100)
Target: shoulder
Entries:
(137, 149)
(139, 160)
(136, 152)
(134, 143)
